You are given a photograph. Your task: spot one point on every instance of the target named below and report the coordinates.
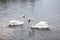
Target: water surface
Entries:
(47, 10)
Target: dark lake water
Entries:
(47, 10)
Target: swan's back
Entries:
(41, 24)
(15, 22)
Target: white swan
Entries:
(16, 22)
(40, 25)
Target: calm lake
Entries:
(46, 10)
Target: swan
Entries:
(39, 25)
(16, 22)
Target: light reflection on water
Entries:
(47, 10)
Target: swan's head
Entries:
(31, 21)
(22, 16)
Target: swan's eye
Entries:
(23, 16)
(28, 20)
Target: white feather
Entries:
(41, 24)
(16, 22)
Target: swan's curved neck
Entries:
(22, 19)
(32, 22)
